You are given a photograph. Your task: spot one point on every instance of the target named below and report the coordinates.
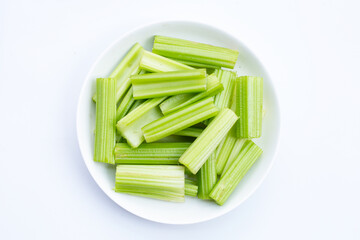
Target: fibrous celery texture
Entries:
(105, 120)
(190, 132)
(201, 149)
(179, 120)
(125, 105)
(165, 182)
(235, 151)
(195, 52)
(241, 165)
(191, 188)
(153, 85)
(150, 153)
(207, 177)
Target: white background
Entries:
(310, 48)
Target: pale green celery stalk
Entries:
(125, 104)
(153, 85)
(150, 153)
(238, 145)
(179, 120)
(136, 104)
(207, 177)
(130, 125)
(152, 62)
(176, 102)
(191, 188)
(249, 106)
(162, 182)
(201, 149)
(190, 132)
(225, 151)
(128, 66)
(105, 131)
(195, 64)
(228, 182)
(195, 52)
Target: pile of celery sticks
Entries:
(179, 89)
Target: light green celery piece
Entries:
(235, 151)
(130, 126)
(136, 104)
(125, 104)
(179, 120)
(128, 66)
(195, 64)
(195, 52)
(152, 62)
(150, 153)
(164, 182)
(228, 182)
(190, 132)
(105, 132)
(162, 84)
(201, 149)
(249, 106)
(191, 188)
(207, 177)
(225, 151)
(182, 100)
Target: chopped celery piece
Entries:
(154, 181)
(190, 132)
(152, 62)
(191, 188)
(201, 149)
(249, 106)
(179, 101)
(195, 64)
(105, 131)
(136, 104)
(125, 104)
(162, 84)
(224, 151)
(175, 139)
(241, 165)
(150, 153)
(179, 120)
(130, 126)
(207, 177)
(238, 145)
(195, 52)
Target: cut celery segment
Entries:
(201, 149)
(241, 165)
(164, 182)
(195, 64)
(235, 151)
(224, 151)
(125, 104)
(207, 177)
(152, 62)
(190, 132)
(105, 132)
(191, 188)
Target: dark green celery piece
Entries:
(190, 132)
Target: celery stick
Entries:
(190, 132)
(195, 64)
(150, 153)
(105, 120)
(195, 52)
(191, 188)
(201, 149)
(153, 85)
(238, 145)
(207, 177)
(130, 126)
(152, 62)
(125, 104)
(241, 165)
(225, 150)
(249, 106)
(179, 101)
(154, 181)
(136, 104)
(179, 120)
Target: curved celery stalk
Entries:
(182, 100)
(201, 149)
(150, 153)
(125, 105)
(207, 177)
(190, 132)
(195, 52)
(154, 181)
(238, 145)
(179, 120)
(155, 63)
(105, 120)
(228, 182)
(249, 106)
(191, 188)
(153, 85)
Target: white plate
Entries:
(193, 210)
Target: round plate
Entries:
(193, 210)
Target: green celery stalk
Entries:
(136, 104)
(162, 84)
(182, 100)
(191, 188)
(190, 132)
(207, 177)
(125, 104)
(195, 64)
(201, 149)
(150, 153)
(249, 106)
(228, 182)
(238, 145)
(164, 182)
(179, 120)
(224, 151)
(195, 52)
(105, 131)
(130, 126)
(152, 62)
